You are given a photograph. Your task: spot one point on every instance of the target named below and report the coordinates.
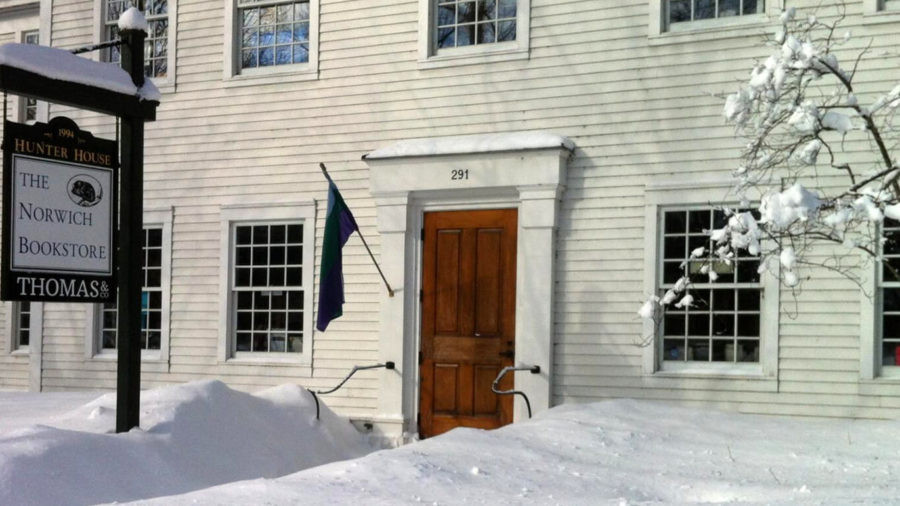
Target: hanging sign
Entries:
(59, 214)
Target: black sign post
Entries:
(134, 110)
(128, 383)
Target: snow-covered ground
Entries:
(192, 437)
(614, 452)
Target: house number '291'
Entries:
(459, 174)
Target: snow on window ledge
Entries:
(462, 144)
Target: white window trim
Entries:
(483, 53)
(874, 11)
(682, 193)
(153, 218)
(165, 84)
(12, 328)
(233, 76)
(871, 370)
(232, 214)
(709, 29)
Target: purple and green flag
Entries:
(339, 225)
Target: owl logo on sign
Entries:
(85, 191)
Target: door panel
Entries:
(468, 318)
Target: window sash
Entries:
(716, 6)
(151, 298)
(275, 42)
(156, 48)
(23, 324)
(267, 316)
(680, 338)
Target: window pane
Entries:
(723, 300)
(673, 349)
(698, 324)
(892, 299)
(698, 349)
(674, 248)
(723, 351)
(507, 8)
(506, 31)
(673, 324)
(487, 9)
(704, 9)
(723, 324)
(748, 325)
(750, 7)
(890, 353)
(698, 221)
(486, 33)
(675, 222)
(729, 8)
(679, 10)
(295, 343)
(748, 300)
(748, 351)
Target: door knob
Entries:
(507, 354)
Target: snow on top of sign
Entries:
(511, 141)
(133, 19)
(62, 65)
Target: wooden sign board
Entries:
(59, 214)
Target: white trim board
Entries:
(405, 188)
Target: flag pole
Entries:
(386, 284)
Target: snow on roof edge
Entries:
(62, 65)
(485, 143)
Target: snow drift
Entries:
(615, 452)
(192, 436)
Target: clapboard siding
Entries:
(633, 107)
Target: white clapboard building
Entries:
(526, 173)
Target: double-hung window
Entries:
(465, 23)
(22, 331)
(890, 295)
(151, 298)
(722, 324)
(682, 11)
(267, 281)
(156, 45)
(267, 287)
(483, 30)
(271, 36)
(689, 15)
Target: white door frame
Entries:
(404, 188)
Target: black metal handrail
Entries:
(533, 369)
(387, 365)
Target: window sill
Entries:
(112, 356)
(275, 75)
(750, 378)
(885, 383)
(738, 26)
(287, 359)
(20, 352)
(452, 58)
(887, 16)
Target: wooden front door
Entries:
(468, 319)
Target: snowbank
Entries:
(192, 436)
(616, 452)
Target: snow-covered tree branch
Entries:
(802, 181)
